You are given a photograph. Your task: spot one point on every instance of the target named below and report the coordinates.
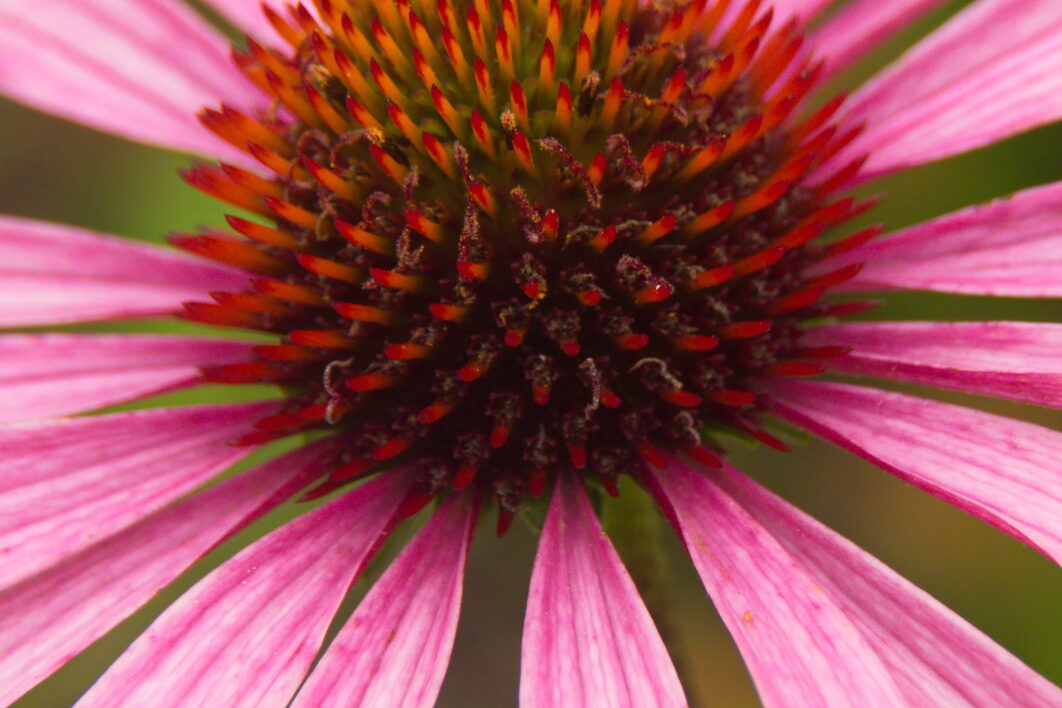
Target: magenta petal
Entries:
(136, 68)
(860, 26)
(588, 639)
(822, 623)
(394, 649)
(1012, 246)
(51, 274)
(1016, 360)
(803, 11)
(1003, 471)
(992, 71)
(52, 616)
(43, 375)
(247, 634)
(69, 483)
(248, 17)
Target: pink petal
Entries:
(44, 375)
(804, 10)
(860, 26)
(136, 68)
(783, 10)
(991, 72)
(1011, 246)
(394, 649)
(69, 483)
(1017, 360)
(822, 623)
(247, 634)
(51, 274)
(55, 614)
(1003, 471)
(588, 639)
(248, 17)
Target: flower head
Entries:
(505, 251)
(514, 257)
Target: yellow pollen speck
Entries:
(376, 136)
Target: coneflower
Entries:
(559, 243)
(509, 253)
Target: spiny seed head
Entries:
(507, 238)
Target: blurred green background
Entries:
(54, 170)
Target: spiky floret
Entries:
(512, 237)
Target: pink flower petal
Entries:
(51, 274)
(44, 375)
(52, 616)
(804, 10)
(1011, 246)
(588, 639)
(782, 11)
(1003, 471)
(394, 649)
(136, 68)
(69, 483)
(248, 17)
(247, 634)
(1017, 360)
(799, 643)
(991, 72)
(822, 623)
(860, 26)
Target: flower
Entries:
(515, 251)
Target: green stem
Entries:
(637, 529)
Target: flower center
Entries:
(562, 236)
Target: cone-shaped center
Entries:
(513, 237)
